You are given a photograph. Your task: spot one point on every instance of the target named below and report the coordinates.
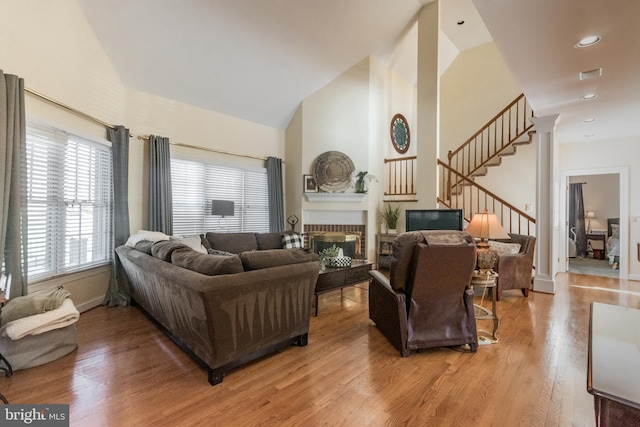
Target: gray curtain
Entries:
(13, 172)
(160, 199)
(119, 292)
(576, 218)
(276, 198)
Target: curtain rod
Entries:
(212, 150)
(68, 108)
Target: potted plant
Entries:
(327, 254)
(390, 214)
(360, 177)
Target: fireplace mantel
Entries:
(335, 197)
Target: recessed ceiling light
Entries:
(589, 96)
(589, 120)
(461, 22)
(588, 41)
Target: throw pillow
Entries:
(502, 248)
(193, 241)
(615, 230)
(149, 236)
(291, 241)
(205, 242)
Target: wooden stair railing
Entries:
(475, 198)
(493, 139)
(400, 179)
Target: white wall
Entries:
(515, 178)
(186, 124)
(476, 86)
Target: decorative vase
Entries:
(360, 187)
(392, 231)
(383, 228)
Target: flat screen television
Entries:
(434, 219)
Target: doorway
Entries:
(605, 195)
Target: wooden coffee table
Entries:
(331, 279)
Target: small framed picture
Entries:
(309, 184)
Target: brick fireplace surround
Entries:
(345, 228)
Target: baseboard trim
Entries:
(543, 285)
(88, 305)
(634, 277)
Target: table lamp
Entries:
(590, 215)
(486, 226)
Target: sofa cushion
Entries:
(257, 260)
(165, 248)
(291, 241)
(270, 240)
(211, 265)
(503, 248)
(145, 246)
(233, 242)
(218, 252)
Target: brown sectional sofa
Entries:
(225, 310)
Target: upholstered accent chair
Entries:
(515, 270)
(427, 300)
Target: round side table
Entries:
(486, 280)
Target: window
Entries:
(195, 184)
(69, 202)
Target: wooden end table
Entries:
(486, 280)
(331, 279)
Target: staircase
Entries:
(475, 198)
(500, 137)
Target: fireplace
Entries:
(351, 238)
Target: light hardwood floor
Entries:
(127, 373)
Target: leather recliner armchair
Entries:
(427, 300)
(515, 271)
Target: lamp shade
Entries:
(486, 226)
(222, 207)
(590, 214)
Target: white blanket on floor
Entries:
(62, 316)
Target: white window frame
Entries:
(69, 193)
(195, 184)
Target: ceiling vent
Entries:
(586, 75)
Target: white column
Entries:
(546, 204)
(428, 107)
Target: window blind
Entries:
(196, 184)
(69, 202)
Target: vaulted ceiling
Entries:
(258, 59)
